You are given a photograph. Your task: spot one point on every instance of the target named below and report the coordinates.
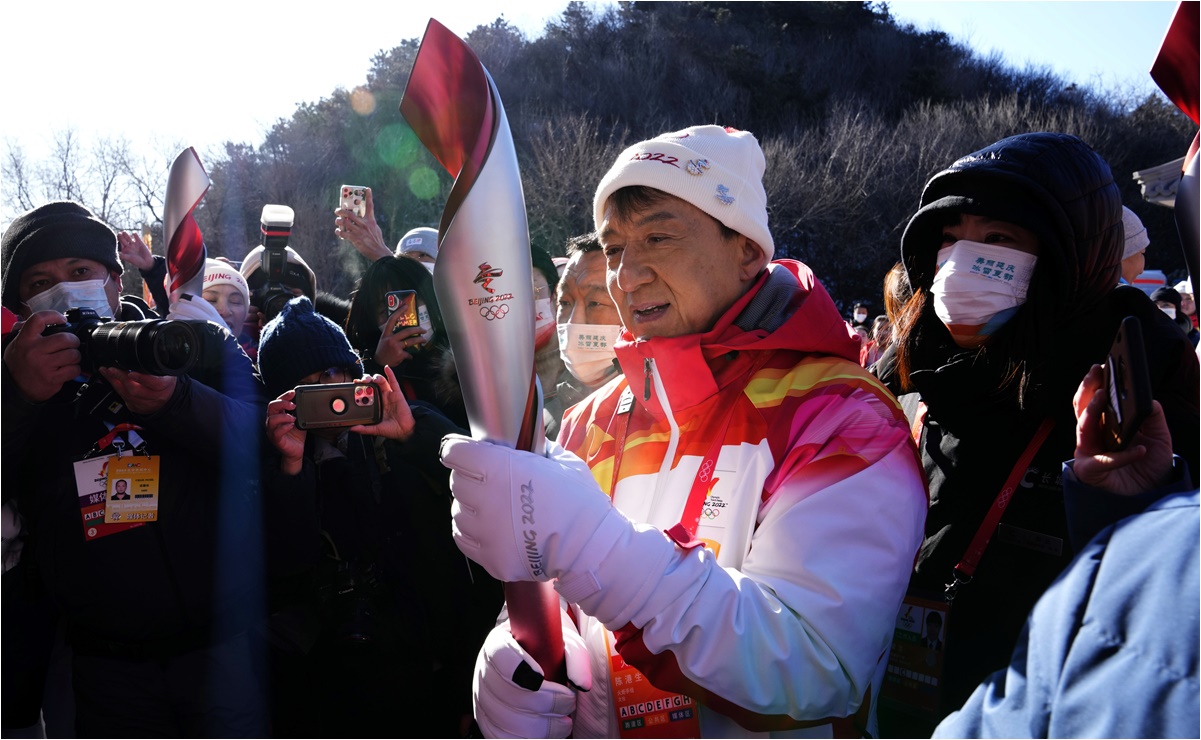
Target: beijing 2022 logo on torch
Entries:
(484, 279)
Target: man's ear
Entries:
(752, 259)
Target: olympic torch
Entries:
(187, 182)
(484, 280)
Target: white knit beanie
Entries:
(1136, 234)
(217, 272)
(719, 170)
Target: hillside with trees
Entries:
(854, 110)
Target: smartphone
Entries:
(354, 198)
(322, 406)
(1127, 385)
(404, 301)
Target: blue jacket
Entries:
(1111, 649)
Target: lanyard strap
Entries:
(967, 564)
(108, 439)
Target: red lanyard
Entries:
(103, 443)
(967, 565)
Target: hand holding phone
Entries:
(354, 198)
(327, 405)
(1127, 386)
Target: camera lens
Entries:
(274, 301)
(155, 347)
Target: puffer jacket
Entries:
(814, 513)
(973, 433)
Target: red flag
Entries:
(1176, 67)
(186, 185)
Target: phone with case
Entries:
(354, 198)
(405, 303)
(321, 406)
(1127, 386)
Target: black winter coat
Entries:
(976, 428)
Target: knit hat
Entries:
(719, 170)
(217, 273)
(422, 239)
(1184, 286)
(1136, 233)
(54, 231)
(297, 273)
(1167, 295)
(299, 342)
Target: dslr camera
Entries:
(151, 346)
(273, 292)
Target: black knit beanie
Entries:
(53, 231)
(299, 342)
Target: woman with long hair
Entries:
(1010, 245)
(417, 354)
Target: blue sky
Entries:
(1102, 44)
(150, 72)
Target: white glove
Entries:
(512, 697)
(525, 517)
(553, 503)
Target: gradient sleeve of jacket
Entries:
(797, 634)
(1111, 649)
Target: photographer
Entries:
(388, 608)
(157, 605)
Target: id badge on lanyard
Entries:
(644, 711)
(117, 491)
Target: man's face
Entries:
(671, 272)
(121, 485)
(45, 275)
(1133, 266)
(583, 295)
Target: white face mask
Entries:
(978, 287)
(79, 294)
(860, 317)
(1170, 311)
(587, 350)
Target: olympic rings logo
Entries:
(710, 513)
(706, 471)
(494, 312)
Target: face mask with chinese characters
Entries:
(78, 294)
(587, 350)
(978, 287)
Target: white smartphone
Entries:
(354, 198)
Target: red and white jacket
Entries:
(811, 524)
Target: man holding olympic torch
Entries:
(733, 519)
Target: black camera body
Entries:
(151, 346)
(275, 229)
